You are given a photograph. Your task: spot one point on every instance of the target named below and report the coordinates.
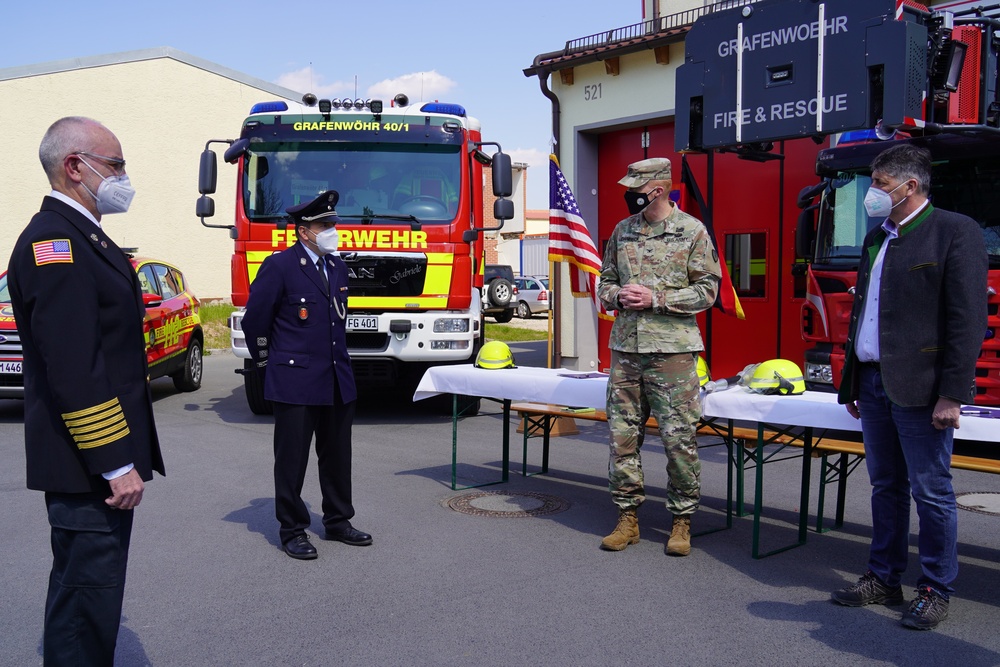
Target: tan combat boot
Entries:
(624, 534)
(679, 543)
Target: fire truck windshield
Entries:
(843, 222)
(387, 184)
(969, 186)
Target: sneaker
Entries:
(927, 610)
(868, 590)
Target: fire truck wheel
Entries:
(253, 385)
(500, 293)
(189, 377)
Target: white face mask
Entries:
(114, 194)
(327, 241)
(878, 202)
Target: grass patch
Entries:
(512, 334)
(215, 325)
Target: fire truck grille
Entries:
(375, 372)
(369, 342)
(386, 276)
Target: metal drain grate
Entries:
(980, 502)
(514, 505)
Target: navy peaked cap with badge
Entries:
(321, 209)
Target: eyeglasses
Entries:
(117, 164)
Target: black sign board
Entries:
(780, 69)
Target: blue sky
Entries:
(472, 53)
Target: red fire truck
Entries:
(411, 199)
(873, 72)
(960, 128)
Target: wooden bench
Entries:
(851, 453)
(537, 420)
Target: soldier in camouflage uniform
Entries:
(660, 270)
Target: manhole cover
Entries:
(506, 504)
(980, 502)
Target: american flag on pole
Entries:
(570, 241)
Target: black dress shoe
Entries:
(299, 547)
(350, 535)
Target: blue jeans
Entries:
(905, 454)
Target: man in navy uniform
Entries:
(295, 327)
(89, 435)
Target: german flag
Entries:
(726, 301)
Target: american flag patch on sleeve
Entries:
(53, 252)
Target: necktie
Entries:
(322, 274)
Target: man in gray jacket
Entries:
(917, 326)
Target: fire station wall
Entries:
(163, 111)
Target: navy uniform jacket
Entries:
(79, 312)
(294, 328)
(932, 309)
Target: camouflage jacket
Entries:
(674, 258)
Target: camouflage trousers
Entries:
(666, 387)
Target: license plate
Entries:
(362, 324)
(13, 367)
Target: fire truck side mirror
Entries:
(805, 232)
(236, 151)
(205, 208)
(207, 173)
(503, 178)
(503, 209)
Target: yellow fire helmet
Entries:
(777, 376)
(495, 354)
(704, 377)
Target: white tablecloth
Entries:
(536, 385)
(563, 387)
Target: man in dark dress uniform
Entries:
(89, 435)
(295, 327)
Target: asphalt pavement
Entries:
(514, 577)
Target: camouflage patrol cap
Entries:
(644, 171)
(322, 209)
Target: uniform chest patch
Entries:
(303, 313)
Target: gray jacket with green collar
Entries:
(932, 309)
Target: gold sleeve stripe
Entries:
(89, 411)
(104, 415)
(83, 435)
(97, 425)
(98, 443)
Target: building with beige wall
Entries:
(163, 105)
